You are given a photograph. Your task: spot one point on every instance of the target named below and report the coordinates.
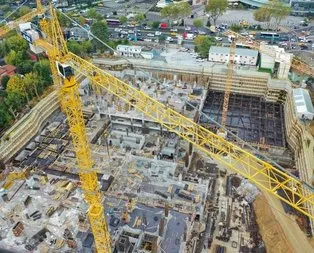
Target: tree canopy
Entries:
(198, 23)
(92, 13)
(123, 19)
(215, 8)
(174, 11)
(100, 30)
(275, 9)
(203, 44)
(139, 18)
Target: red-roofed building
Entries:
(7, 70)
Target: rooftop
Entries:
(238, 51)
(302, 100)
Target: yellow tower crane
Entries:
(268, 178)
(27, 17)
(71, 106)
(228, 87)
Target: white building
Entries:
(129, 51)
(303, 104)
(275, 54)
(242, 55)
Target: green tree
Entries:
(14, 102)
(3, 50)
(4, 81)
(15, 85)
(31, 82)
(154, 24)
(139, 18)
(16, 43)
(123, 19)
(42, 69)
(74, 47)
(63, 20)
(263, 14)
(235, 27)
(81, 20)
(24, 67)
(100, 30)
(15, 58)
(198, 23)
(5, 117)
(92, 13)
(175, 11)
(87, 47)
(215, 8)
(279, 11)
(203, 44)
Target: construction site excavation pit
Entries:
(251, 118)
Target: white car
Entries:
(147, 28)
(173, 30)
(200, 60)
(123, 32)
(151, 35)
(201, 32)
(157, 33)
(313, 45)
(245, 33)
(218, 38)
(148, 40)
(169, 39)
(130, 31)
(187, 28)
(117, 29)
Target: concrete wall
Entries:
(27, 127)
(302, 144)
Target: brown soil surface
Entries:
(279, 230)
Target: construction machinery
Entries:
(63, 63)
(27, 17)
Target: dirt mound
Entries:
(270, 229)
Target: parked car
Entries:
(151, 35)
(201, 32)
(187, 28)
(157, 33)
(218, 38)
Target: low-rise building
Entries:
(129, 51)
(7, 70)
(303, 104)
(242, 55)
(79, 34)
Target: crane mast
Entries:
(228, 84)
(72, 107)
